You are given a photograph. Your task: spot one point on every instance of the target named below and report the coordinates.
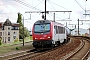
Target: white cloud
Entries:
(1, 2)
(10, 8)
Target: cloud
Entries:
(1, 3)
(10, 8)
(7, 10)
(81, 14)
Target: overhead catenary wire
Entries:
(79, 5)
(51, 5)
(27, 5)
(54, 8)
(39, 3)
(59, 5)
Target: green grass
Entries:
(27, 39)
(30, 37)
(7, 49)
(4, 48)
(11, 48)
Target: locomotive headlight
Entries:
(35, 38)
(49, 37)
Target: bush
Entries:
(17, 48)
(20, 40)
(30, 37)
(0, 41)
(16, 40)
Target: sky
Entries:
(10, 8)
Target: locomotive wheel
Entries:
(68, 39)
(65, 41)
(53, 45)
(58, 43)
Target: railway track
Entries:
(32, 55)
(80, 53)
(71, 50)
(25, 56)
(55, 53)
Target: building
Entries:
(9, 32)
(30, 31)
(76, 33)
(89, 31)
(86, 34)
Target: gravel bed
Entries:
(58, 53)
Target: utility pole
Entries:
(54, 17)
(78, 24)
(45, 10)
(23, 29)
(66, 24)
(88, 15)
(78, 27)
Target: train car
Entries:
(47, 33)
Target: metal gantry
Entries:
(79, 24)
(46, 12)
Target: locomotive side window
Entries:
(59, 30)
(56, 30)
(54, 27)
(63, 30)
(41, 28)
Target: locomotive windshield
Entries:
(41, 28)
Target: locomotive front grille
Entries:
(41, 43)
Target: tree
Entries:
(26, 32)
(19, 19)
(21, 32)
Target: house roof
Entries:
(7, 23)
(15, 24)
(0, 25)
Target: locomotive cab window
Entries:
(42, 28)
